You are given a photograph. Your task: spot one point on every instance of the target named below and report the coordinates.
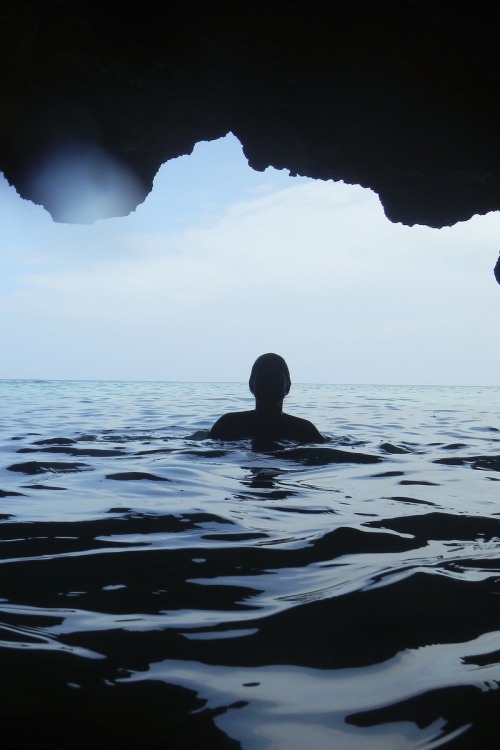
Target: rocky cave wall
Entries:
(399, 96)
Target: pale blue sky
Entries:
(221, 264)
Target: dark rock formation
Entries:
(496, 271)
(401, 96)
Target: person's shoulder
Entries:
(231, 426)
(303, 430)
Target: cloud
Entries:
(312, 270)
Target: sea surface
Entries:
(157, 587)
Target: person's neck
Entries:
(269, 410)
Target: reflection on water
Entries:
(156, 584)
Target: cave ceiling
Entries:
(400, 97)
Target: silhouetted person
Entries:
(270, 383)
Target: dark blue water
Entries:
(158, 587)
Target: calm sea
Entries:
(158, 587)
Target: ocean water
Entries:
(159, 587)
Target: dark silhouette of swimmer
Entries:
(270, 383)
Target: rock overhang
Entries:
(399, 96)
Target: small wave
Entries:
(411, 500)
(443, 526)
(87, 452)
(56, 441)
(421, 482)
(394, 449)
(491, 463)
(325, 456)
(43, 467)
(134, 476)
(43, 487)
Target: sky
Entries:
(221, 264)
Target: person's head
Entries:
(270, 379)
